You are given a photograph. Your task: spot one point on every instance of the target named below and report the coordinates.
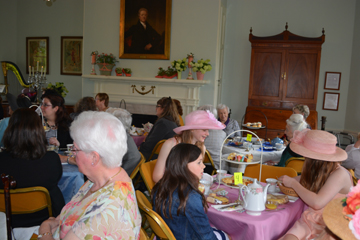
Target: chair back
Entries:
(208, 159)
(8, 183)
(157, 224)
(268, 172)
(137, 168)
(146, 171)
(355, 180)
(156, 149)
(295, 163)
(143, 234)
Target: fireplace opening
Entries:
(139, 119)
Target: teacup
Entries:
(207, 185)
(69, 147)
(279, 146)
(272, 182)
(220, 174)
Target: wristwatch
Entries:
(68, 158)
(44, 234)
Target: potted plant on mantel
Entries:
(160, 73)
(118, 71)
(170, 73)
(179, 66)
(200, 67)
(127, 71)
(106, 62)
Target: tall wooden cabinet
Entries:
(284, 70)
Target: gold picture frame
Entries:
(71, 55)
(37, 50)
(158, 29)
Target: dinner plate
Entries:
(234, 144)
(236, 186)
(236, 162)
(251, 127)
(266, 149)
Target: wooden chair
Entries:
(268, 172)
(136, 170)
(157, 224)
(146, 171)
(208, 159)
(295, 163)
(355, 180)
(156, 149)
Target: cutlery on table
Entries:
(230, 205)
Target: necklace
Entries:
(91, 191)
(51, 126)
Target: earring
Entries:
(92, 164)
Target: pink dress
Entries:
(311, 224)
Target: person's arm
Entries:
(156, 134)
(198, 219)
(353, 157)
(338, 180)
(161, 161)
(236, 127)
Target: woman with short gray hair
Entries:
(231, 124)
(108, 196)
(132, 156)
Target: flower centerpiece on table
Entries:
(200, 67)
(179, 65)
(59, 88)
(106, 62)
(351, 206)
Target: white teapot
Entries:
(255, 198)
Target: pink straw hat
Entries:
(200, 119)
(317, 144)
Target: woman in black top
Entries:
(25, 159)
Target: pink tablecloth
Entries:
(138, 139)
(269, 225)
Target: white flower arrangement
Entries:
(201, 66)
(179, 65)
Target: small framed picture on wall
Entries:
(331, 101)
(332, 80)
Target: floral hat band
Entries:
(317, 144)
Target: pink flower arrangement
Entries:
(351, 205)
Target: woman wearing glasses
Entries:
(57, 119)
(168, 119)
(105, 207)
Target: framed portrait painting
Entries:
(145, 27)
(331, 101)
(71, 55)
(37, 50)
(332, 80)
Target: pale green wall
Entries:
(305, 18)
(8, 26)
(353, 98)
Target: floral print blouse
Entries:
(109, 213)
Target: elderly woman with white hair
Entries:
(295, 122)
(105, 206)
(215, 139)
(231, 124)
(132, 156)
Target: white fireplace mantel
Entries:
(145, 92)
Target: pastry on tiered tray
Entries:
(238, 157)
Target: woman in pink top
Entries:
(195, 131)
(322, 180)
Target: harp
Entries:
(13, 79)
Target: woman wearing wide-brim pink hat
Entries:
(195, 131)
(322, 180)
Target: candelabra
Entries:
(36, 81)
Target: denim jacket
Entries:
(194, 224)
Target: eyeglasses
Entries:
(45, 105)
(74, 151)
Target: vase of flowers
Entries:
(200, 67)
(58, 87)
(127, 72)
(118, 71)
(106, 62)
(179, 65)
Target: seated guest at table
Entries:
(57, 119)
(195, 131)
(176, 197)
(132, 156)
(180, 111)
(353, 160)
(295, 122)
(21, 101)
(26, 159)
(214, 141)
(322, 180)
(168, 119)
(231, 124)
(105, 206)
(102, 101)
(84, 104)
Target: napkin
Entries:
(228, 207)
